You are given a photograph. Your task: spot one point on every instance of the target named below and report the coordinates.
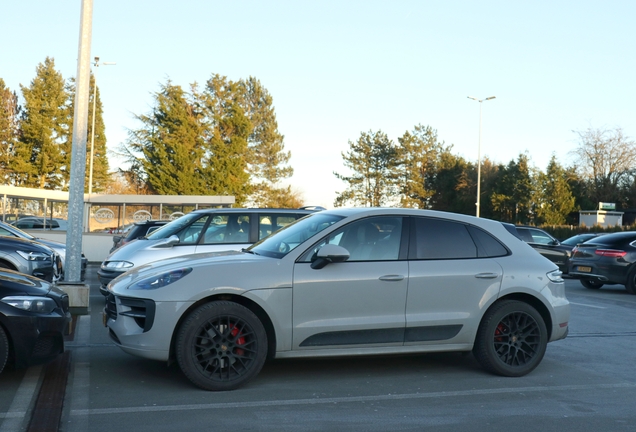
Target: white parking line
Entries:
(377, 398)
(21, 401)
(587, 305)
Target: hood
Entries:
(127, 250)
(14, 283)
(23, 244)
(198, 260)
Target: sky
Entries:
(336, 69)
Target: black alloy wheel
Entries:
(221, 346)
(591, 284)
(4, 349)
(512, 339)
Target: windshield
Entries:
(287, 239)
(15, 230)
(174, 227)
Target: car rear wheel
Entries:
(4, 349)
(511, 339)
(221, 346)
(630, 286)
(591, 284)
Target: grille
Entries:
(47, 346)
(111, 307)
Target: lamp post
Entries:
(479, 153)
(90, 172)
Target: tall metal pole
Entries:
(477, 203)
(72, 271)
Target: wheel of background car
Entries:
(630, 286)
(221, 346)
(591, 284)
(4, 349)
(511, 339)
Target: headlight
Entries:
(160, 280)
(34, 256)
(43, 305)
(555, 276)
(117, 265)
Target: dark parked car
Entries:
(606, 259)
(60, 248)
(546, 245)
(579, 238)
(34, 317)
(137, 230)
(30, 257)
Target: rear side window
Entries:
(487, 245)
(270, 223)
(441, 239)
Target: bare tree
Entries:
(606, 159)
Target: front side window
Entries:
(540, 237)
(228, 228)
(371, 239)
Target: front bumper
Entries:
(37, 338)
(105, 277)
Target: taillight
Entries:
(611, 253)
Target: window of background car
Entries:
(174, 227)
(371, 239)
(227, 228)
(268, 224)
(289, 237)
(540, 237)
(441, 239)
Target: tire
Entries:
(591, 284)
(221, 346)
(630, 286)
(511, 339)
(4, 349)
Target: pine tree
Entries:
(39, 155)
(373, 160)
(554, 195)
(171, 145)
(9, 129)
(267, 159)
(418, 165)
(101, 176)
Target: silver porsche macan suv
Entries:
(345, 282)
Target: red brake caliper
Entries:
(239, 341)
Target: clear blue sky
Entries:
(338, 68)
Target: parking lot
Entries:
(585, 382)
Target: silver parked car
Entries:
(206, 230)
(345, 282)
(8, 230)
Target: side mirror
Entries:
(167, 242)
(329, 253)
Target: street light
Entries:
(90, 172)
(479, 152)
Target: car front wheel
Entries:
(511, 339)
(221, 346)
(630, 286)
(591, 284)
(4, 349)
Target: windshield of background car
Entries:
(10, 233)
(287, 239)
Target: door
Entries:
(359, 302)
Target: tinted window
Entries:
(372, 239)
(487, 245)
(269, 223)
(441, 239)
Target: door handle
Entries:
(392, 278)
(487, 275)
